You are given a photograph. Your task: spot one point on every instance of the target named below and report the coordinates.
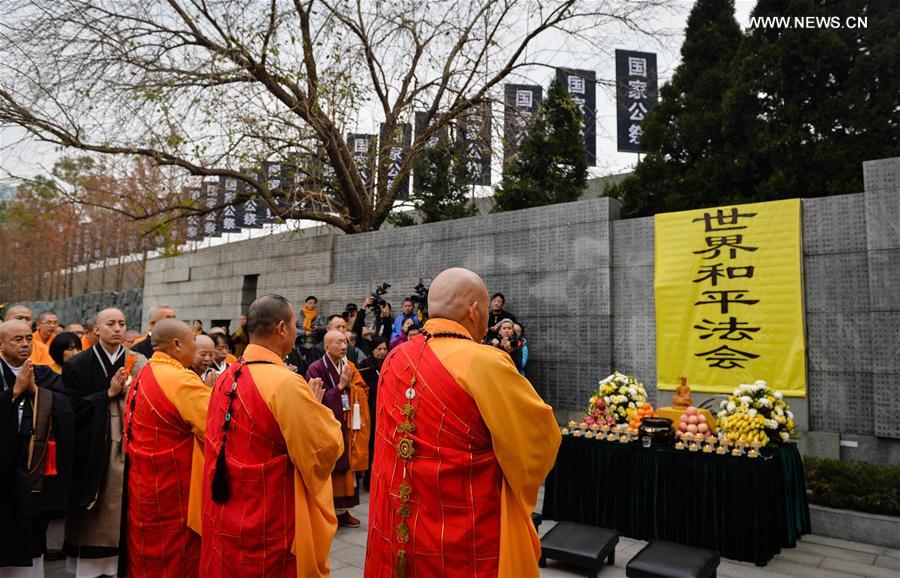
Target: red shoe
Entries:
(345, 520)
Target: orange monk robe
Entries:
(40, 352)
(36, 336)
(87, 341)
(524, 433)
(153, 549)
(229, 359)
(314, 443)
(136, 341)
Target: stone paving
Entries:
(815, 556)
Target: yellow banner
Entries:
(729, 298)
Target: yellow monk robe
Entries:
(40, 352)
(523, 433)
(314, 443)
(164, 444)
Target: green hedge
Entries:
(859, 486)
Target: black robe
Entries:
(144, 347)
(26, 514)
(86, 378)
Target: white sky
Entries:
(24, 157)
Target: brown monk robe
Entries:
(40, 352)
(346, 394)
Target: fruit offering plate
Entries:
(674, 414)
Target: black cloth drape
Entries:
(746, 509)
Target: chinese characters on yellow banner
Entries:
(729, 297)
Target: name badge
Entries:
(345, 401)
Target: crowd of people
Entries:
(114, 427)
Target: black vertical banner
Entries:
(245, 214)
(474, 135)
(362, 147)
(582, 87)
(397, 148)
(636, 95)
(521, 104)
(421, 126)
(195, 222)
(229, 188)
(209, 191)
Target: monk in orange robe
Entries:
(47, 324)
(270, 448)
(90, 333)
(40, 352)
(165, 421)
(463, 443)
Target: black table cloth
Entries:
(746, 509)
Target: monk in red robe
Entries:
(270, 448)
(463, 443)
(165, 421)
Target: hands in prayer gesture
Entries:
(316, 386)
(117, 383)
(211, 378)
(345, 378)
(25, 381)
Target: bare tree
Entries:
(214, 86)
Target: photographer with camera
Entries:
(408, 312)
(382, 323)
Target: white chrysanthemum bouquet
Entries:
(617, 399)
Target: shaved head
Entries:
(460, 295)
(111, 328)
(15, 341)
(335, 344)
(204, 353)
(168, 329)
(160, 312)
(175, 339)
(19, 312)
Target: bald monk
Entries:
(96, 381)
(463, 444)
(165, 421)
(77, 329)
(345, 393)
(36, 433)
(40, 352)
(90, 333)
(267, 501)
(144, 344)
(205, 353)
(47, 324)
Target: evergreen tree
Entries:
(810, 105)
(551, 166)
(441, 189)
(774, 113)
(688, 160)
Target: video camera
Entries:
(420, 299)
(377, 301)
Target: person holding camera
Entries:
(496, 314)
(507, 340)
(408, 312)
(380, 329)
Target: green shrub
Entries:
(859, 486)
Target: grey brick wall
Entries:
(581, 281)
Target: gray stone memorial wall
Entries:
(581, 281)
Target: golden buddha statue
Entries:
(682, 397)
